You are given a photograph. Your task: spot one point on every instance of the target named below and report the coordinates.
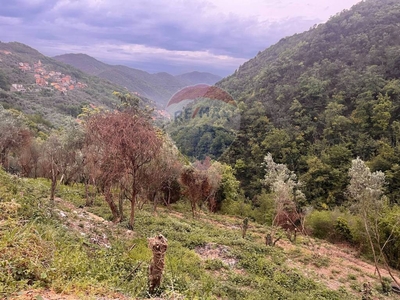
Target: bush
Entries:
(321, 224)
(333, 226)
(342, 229)
(389, 227)
(236, 208)
(261, 210)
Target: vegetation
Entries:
(45, 102)
(317, 152)
(319, 99)
(57, 246)
(159, 87)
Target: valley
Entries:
(279, 181)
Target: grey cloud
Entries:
(25, 9)
(175, 26)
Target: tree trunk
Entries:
(3, 155)
(169, 198)
(133, 204)
(373, 249)
(268, 240)
(109, 199)
(89, 200)
(154, 196)
(158, 246)
(121, 204)
(244, 227)
(53, 184)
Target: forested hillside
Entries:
(318, 99)
(307, 142)
(159, 87)
(48, 89)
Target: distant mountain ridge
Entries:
(158, 87)
(39, 85)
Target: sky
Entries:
(174, 36)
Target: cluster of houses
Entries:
(44, 78)
(5, 52)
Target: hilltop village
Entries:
(46, 79)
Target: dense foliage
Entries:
(318, 99)
(309, 106)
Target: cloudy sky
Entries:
(174, 36)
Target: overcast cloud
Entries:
(154, 35)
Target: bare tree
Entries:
(161, 172)
(29, 158)
(196, 184)
(126, 144)
(202, 181)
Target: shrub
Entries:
(321, 224)
(335, 226)
(342, 229)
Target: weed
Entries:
(38, 250)
(351, 277)
(321, 261)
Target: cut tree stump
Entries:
(158, 246)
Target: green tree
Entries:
(285, 187)
(381, 114)
(366, 190)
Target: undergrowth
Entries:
(38, 250)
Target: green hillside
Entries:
(296, 193)
(159, 87)
(61, 91)
(318, 99)
(64, 250)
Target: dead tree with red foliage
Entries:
(160, 174)
(125, 144)
(197, 186)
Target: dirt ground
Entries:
(335, 266)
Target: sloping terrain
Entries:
(316, 100)
(39, 85)
(159, 87)
(65, 251)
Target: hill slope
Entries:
(37, 84)
(77, 251)
(317, 99)
(159, 87)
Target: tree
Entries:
(53, 157)
(14, 136)
(125, 144)
(29, 158)
(366, 190)
(196, 185)
(202, 180)
(161, 173)
(285, 187)
(381, 114)
(229, 188)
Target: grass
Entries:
(38, 249)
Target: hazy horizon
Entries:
(154, 36)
